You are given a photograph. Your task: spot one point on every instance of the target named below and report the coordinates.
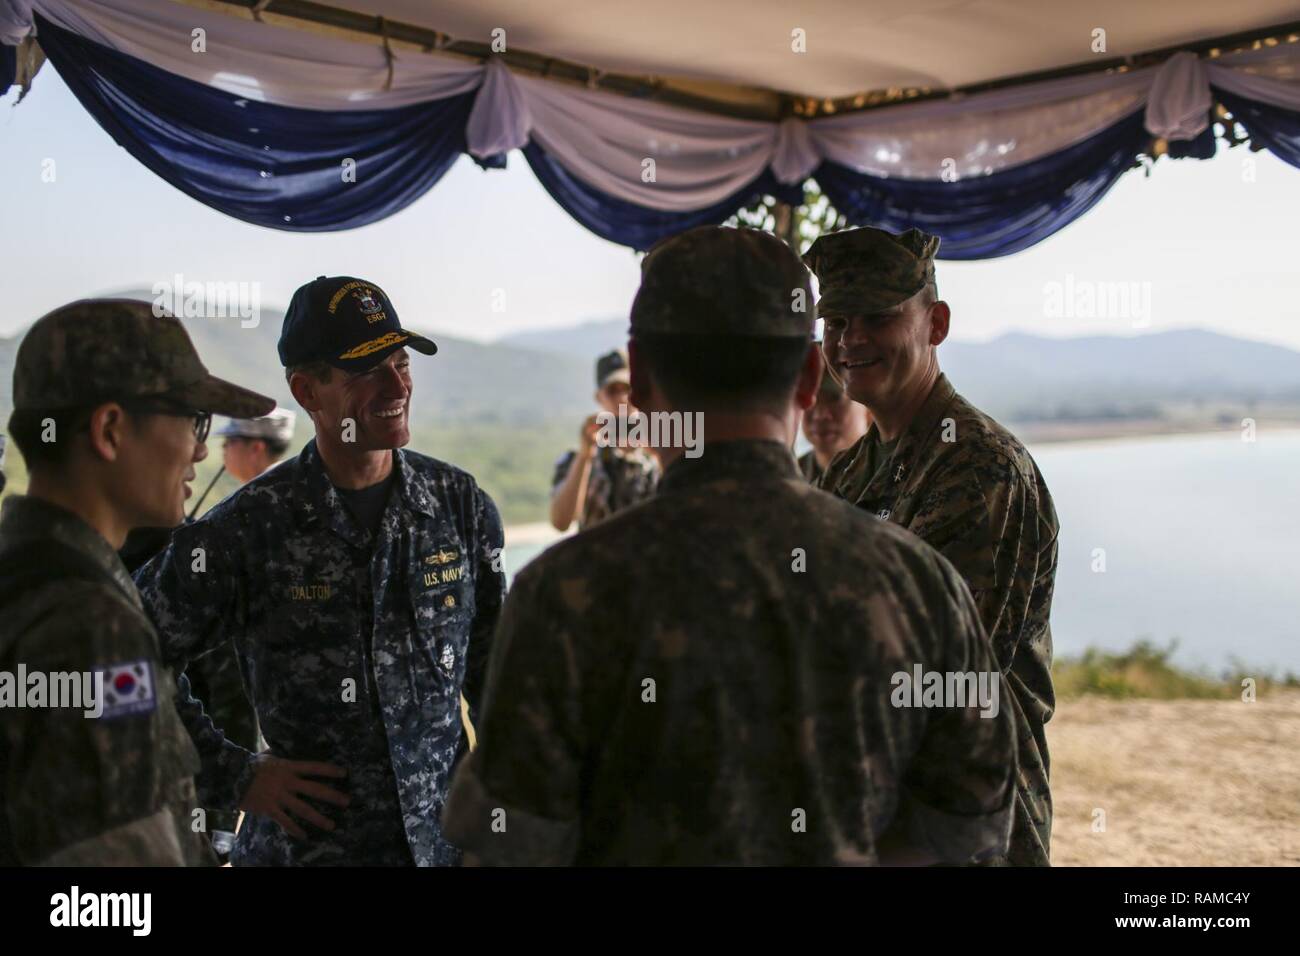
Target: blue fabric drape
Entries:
(1272, 127)
(1203, 146)
(631, 225)
(995, 215)
(283, 167)
(271, 165)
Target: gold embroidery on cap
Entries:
(374, 345)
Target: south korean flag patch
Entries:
(128, 690)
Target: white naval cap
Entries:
(277, 426)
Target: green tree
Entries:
(797, 225)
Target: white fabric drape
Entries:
(660, 156)
(261, 61)
(1270, 75)
(657, 155)
(501, 118)
(15, 21)
(1180, 100)
(796, 155)
(977, 135)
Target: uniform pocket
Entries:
(442, 635)
(442, 602)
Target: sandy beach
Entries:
(1181, 782)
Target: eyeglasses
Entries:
(202, 420)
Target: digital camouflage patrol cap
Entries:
(860, 271)
(715, 280)
(277, 426)
(345, 322)
(103, 350)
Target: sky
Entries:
(486, 253)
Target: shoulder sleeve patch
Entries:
(129, 689)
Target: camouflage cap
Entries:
(715, 280)
(860, 271)
(277, 426)
(102, 350)
(612, 367)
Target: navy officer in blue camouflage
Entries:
(360, 585)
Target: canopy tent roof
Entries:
(257, 113)
(737, 49)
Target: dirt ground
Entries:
(1180, 782)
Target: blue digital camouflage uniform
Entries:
(353, 651)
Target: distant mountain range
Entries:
(531, 377)
(466, 382)
(1026, 377)
(588, 339)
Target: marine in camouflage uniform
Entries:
(961, 482)
(677, 686)
(618, 477)
(354, 641)
(117, 789)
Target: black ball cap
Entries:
(348, 323)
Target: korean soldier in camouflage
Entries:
(596, 480)
(709, 677)
(936, 465)
(111, 409)
(360, 584)
(831, 425)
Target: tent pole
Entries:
(785, 223)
